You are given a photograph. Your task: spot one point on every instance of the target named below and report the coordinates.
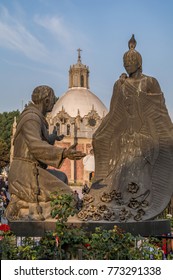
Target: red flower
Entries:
(57, 240)
(87, 245)
(4, 227)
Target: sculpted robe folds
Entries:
(29, 182)
(133, 150)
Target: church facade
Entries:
(76, 114)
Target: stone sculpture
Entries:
(133, 150)
(30, 183)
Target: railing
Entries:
(168, 210)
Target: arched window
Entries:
(82, 81)
(58, 128)
(68, 129)
(75, 81)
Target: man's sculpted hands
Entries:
(72, 153)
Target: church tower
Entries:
(79, 74)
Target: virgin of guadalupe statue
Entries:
(133, 150)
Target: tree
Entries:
(6, 122)
(4, 154)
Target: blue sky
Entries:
(39, 39)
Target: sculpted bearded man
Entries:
(30, 184)
(133, 150)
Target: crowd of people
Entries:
(4, 198)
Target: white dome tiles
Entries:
(81, 99)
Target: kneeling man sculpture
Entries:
(30, 183)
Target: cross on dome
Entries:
(79, 56)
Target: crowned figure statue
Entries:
(133, 149)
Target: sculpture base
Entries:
(38, 228)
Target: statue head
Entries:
(132, 59)
(44, 95)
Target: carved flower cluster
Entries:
(96, 213)
(113, 195)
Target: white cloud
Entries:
(57, 27)
(68, 36)
(13, 35)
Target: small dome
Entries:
(79, 99)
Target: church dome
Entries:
(76, 114)
(79, 100)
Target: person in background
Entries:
(2, 182)
(89, 166)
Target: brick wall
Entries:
(68, 165)
(79, 165)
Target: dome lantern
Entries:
(79, 74)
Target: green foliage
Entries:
(62, 206)
(170, 218)
(27, 250)
(150, 249)
(6, 122)
(67, 240)
(8, 249)
(4, 154)
(47, 249)
(68, 237)
(115, 244)
(110, 244)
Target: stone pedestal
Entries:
(146, 228)
(32, 228)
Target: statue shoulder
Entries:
(29, 115)
(121, 80)
(152, 84)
